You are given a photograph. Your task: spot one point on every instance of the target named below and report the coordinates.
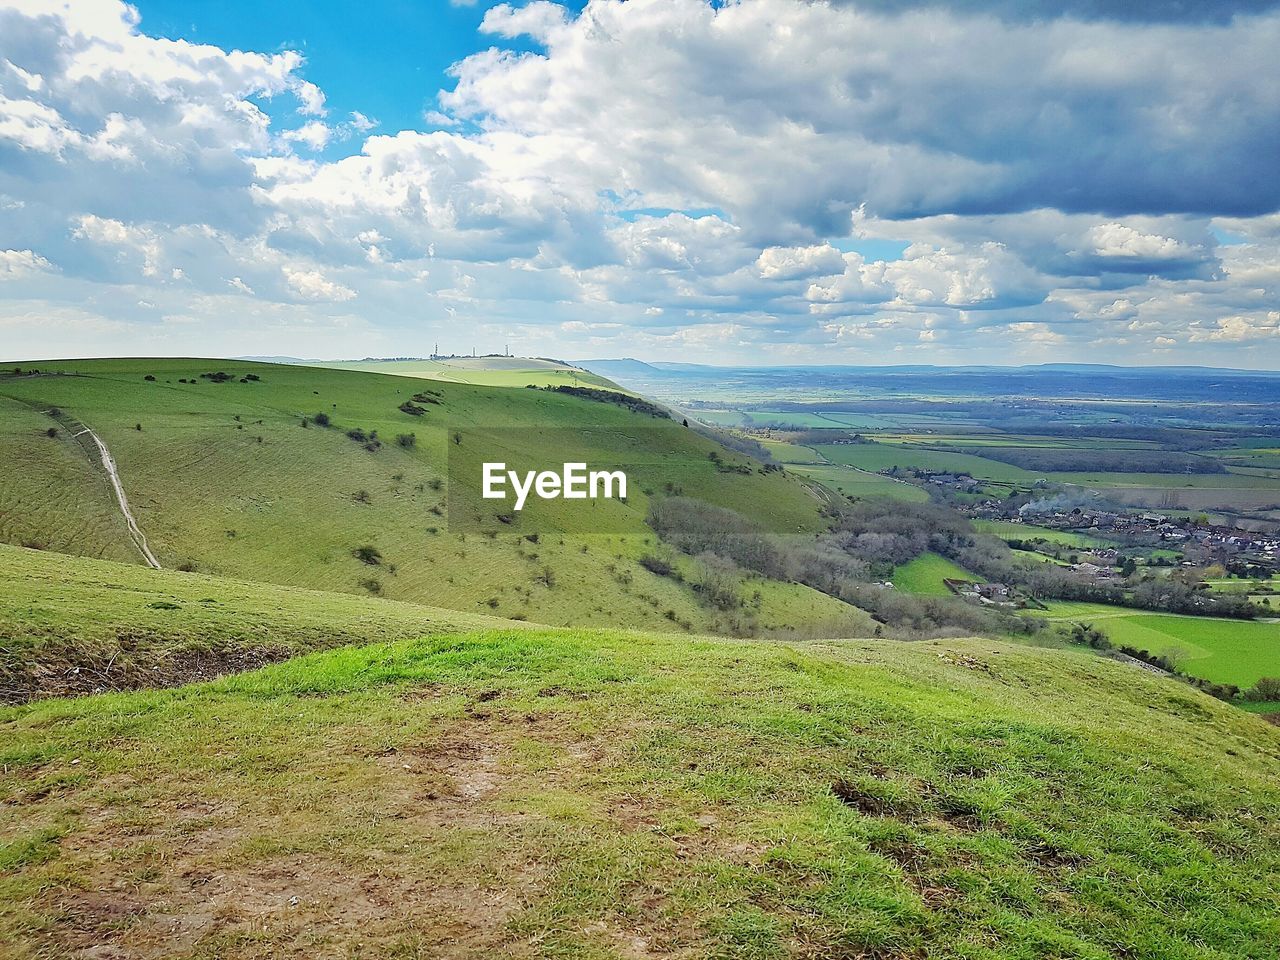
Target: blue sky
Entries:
(387, 62)
(929, 181)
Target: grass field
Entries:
(224, 479)
(924, 575)
(882, 456)
(1224, 651)
(615, 795)
(1247, 585)
(1196, 491)
(785, 452)
(51, 496)
(859, 483)
(1029, 531)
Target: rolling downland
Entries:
(230, 472)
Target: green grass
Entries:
(1221, 650)
(50, 494)
(859, 483)
(74, 625)
(924, 575)
(1247, 585)
(224, 478)
(1199, 491)
(1198, 481)
(882, 456)
(785, 452)
(1029, 531)
(597, 795)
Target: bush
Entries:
(51, 432)
(368, 555)
(322, 419)
(1267, 688)
(407, 440)
(656, 564)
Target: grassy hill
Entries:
(622, 795)
(72, 625)
(484, 371)
(225, 479)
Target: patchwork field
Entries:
(1029, 531)
(883, 456)
(1235, 489)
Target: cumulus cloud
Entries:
(21, 263)
(677, 176)
(314, 285)
(1119, 240)
(793, 263)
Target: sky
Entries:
(751, 182)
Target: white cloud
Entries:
(794, 263)
(1119, 240)
(129, 240)
(314, 285)
(314, 134)
(538, 19)
(21, 263)
(1237, 329)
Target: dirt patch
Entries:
(74, 672)
(851, 795)
(199, 876)
(450, 772)
(1052, 856)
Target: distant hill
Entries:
(837, 382)
(494, 371)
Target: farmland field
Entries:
(924, 575)
(858, 483)
(882, 456)
(785, 452)
(1029, 531)
(1224, 651)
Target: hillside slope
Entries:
(623, 795)
(483, 371)
(71, 625)
(226, 479)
